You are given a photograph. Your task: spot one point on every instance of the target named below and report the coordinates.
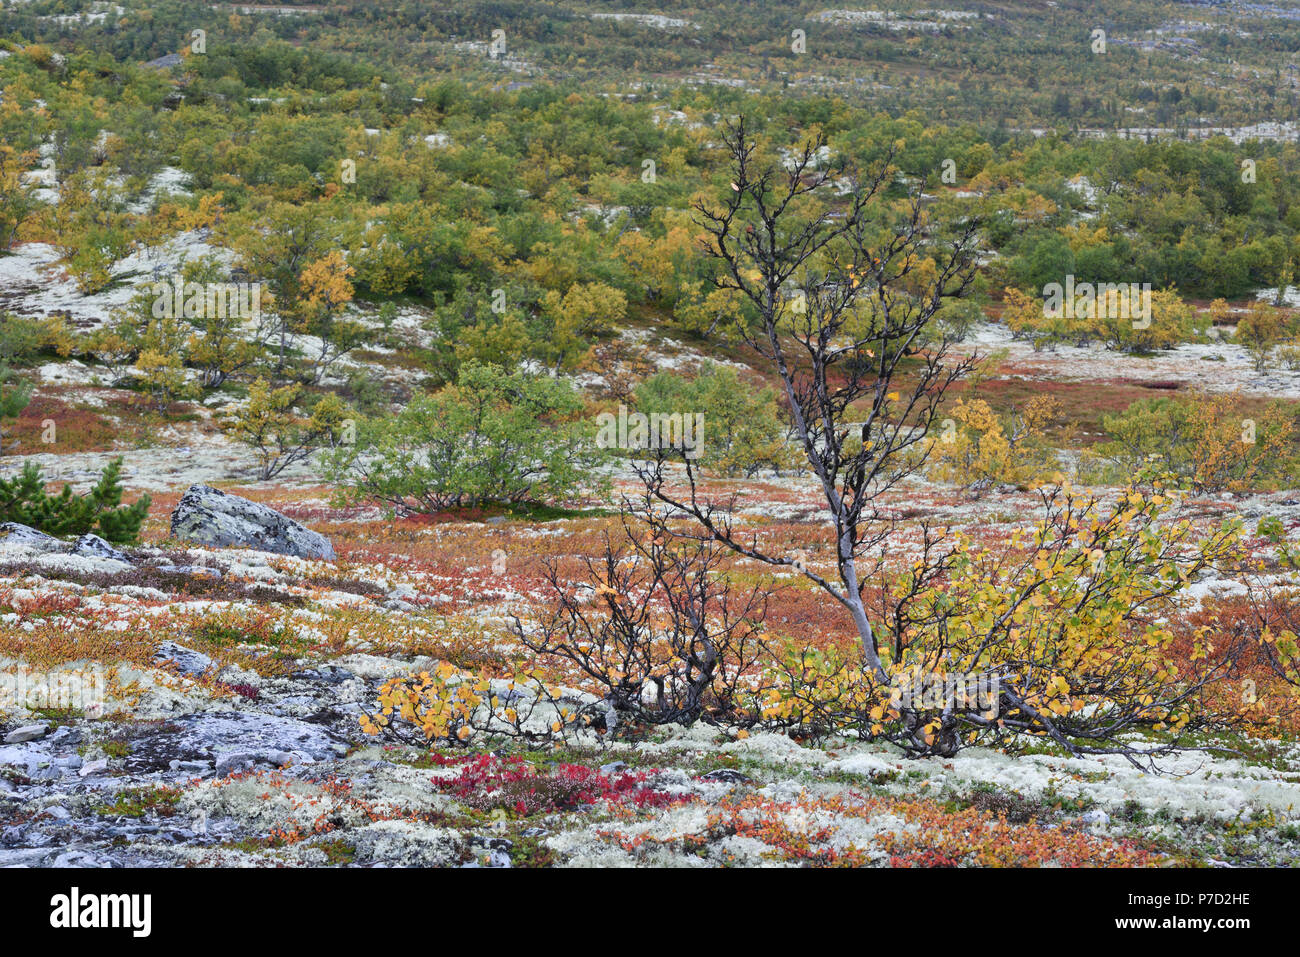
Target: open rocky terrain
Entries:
(338, 347)
(202, 705)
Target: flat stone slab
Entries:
(216, 736)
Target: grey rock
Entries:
(496, 857)
(1096, 818)
(28, 732)
(93, 767)
(29, 759)
(189, 661)
(11, 533)
(165, 62)
(327, 674)
(79, 859)
(64, 735)
(130, 831)
(213, 518)
(23, 857)
(92, 546)
(286, 759)
(198, 766)
(612, 767)
(235, 740)
(237, 762)
(200, 571)
(728, 776)
(194, 571)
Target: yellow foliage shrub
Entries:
(976, 447)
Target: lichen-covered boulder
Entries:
(211, 517)
(49, 554)
(15, 536)
(92, 546)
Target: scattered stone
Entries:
(216, 519)
(234, 740)
(329, 674)
(237, 762)
(496, 857)
(92, 546)
(727, 776)
(612, 767)
(64, 734)
(406, 844)
(403, 593)
(190, 662)
(93, 767)
(201, 767)
(28, 732)
(194, 571)
(1095, 818)
(14, 535)
(79, 859)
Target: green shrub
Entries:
(743, 431)
(491, 437)
(23, 341)
(271, 425)
(957, 318)
(1270, 528)
(23, 499)
(1171, 321)
(1262, 328)
(13, 399)
(1209, 442)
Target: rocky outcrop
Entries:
(15, 536)
(92, 546)
(189, 662)
(211, 517)
(233, 741)
(20, 541)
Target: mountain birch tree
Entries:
(832, 267)
(1064, 624)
